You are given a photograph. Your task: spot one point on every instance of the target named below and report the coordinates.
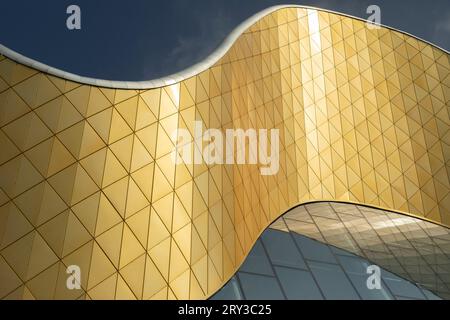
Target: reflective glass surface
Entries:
(318, 269)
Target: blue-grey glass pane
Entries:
(298, 284)
(341, 252)
(314, 250)
(257, 287)
(356, 269)
(354, 264)
(343, 275)
(360, 283)
(332, 281)
(230, 291)
(401, 287)
(282, 249)
(257, 261)
(430, 295)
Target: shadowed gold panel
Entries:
(87, 179)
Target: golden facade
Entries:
(86, 176)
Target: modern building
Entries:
(87, 179)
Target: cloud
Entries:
(214, 23)
(443, 25)
(208, 25)
(441, 32)
(195, 47)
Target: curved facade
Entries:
(325, 250)
(86, 176)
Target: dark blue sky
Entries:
(147, 39)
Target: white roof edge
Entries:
(186, 73)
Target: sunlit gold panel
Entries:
(87, 178)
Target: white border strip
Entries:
(182, 75)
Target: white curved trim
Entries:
(184, 74)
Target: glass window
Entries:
(314, 250)
(333, 281)
(356, 269)
(257, 261)
(401, 287)
(341, 252)
(354, 264)
(298, 284)
(258, 287)
(430, 295)
(231, 291)
(282, 249)
(360, 283)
